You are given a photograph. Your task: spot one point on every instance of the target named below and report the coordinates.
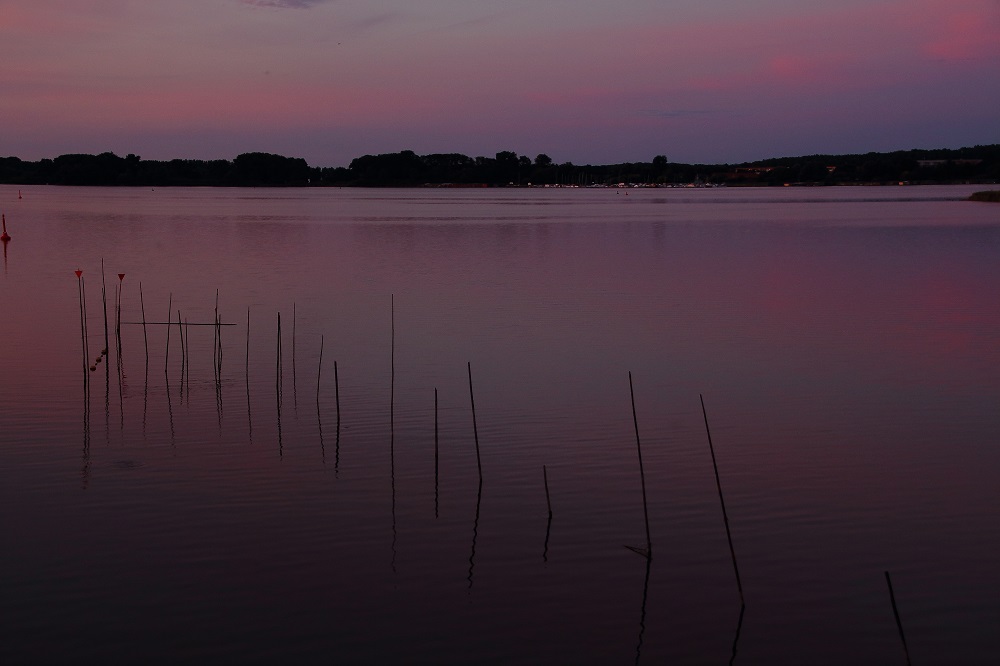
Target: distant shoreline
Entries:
(971, 165)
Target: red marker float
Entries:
(5, 237)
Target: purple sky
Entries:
(583, 81)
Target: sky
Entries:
(700, 81)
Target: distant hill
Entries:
(976, 164)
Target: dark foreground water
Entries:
(177, 508)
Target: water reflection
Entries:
(170, 409)
(85, 472)
(642, 609)
(895, 613)
(840, 362)
(736, 638)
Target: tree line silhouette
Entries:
(977, 164)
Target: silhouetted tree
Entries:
(268, 169)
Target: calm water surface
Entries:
(846, 342)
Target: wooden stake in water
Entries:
(336, 393)
(277, 391)
(104, 298)
(118, 313)
(216, 351)
(435, 452)
(86, 325)
(248, 348)
(895, 611)
(249, 414)
(475, 430)
(319, 369)
(642, 474)
(218, 337)
(548, 524)
(180, 334)
(83, 329)
(145, 341)
(548, 500)
(187, 355)
(722, 501)
(392, 362)
(295, 384)
(166, 357)
(277, 379)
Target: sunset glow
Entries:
(583, 82)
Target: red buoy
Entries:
(5, 237)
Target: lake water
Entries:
(169, 507)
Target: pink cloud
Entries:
(968, 34)
(855, 45)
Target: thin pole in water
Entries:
(86, 325)
(118, 313)
(277, 378)
(215, 339)
(392, 362)
(548, 500)
(180, 334)
(642, 473)
(475, 430)
(145, 340)
(336, 393)
(295, 385)
(548, 523)
(249, 414)
(718, 484)
(899, 623)
(435, 452)
(187, 355)
(218, 334)
(218, 338)
(319, 368)
(83, 330)
(166, 357)
(104, 298)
